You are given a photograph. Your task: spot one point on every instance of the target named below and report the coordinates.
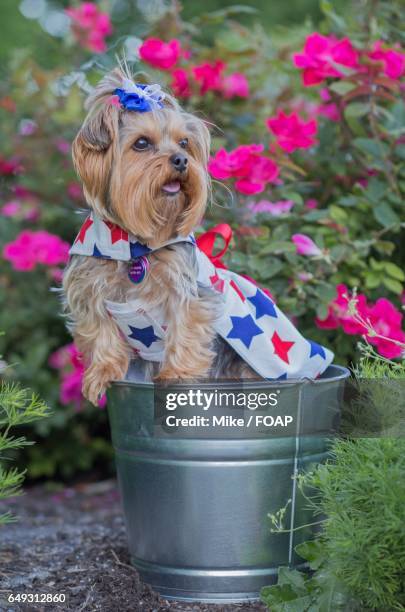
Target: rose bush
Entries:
(307, 167)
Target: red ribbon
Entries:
(206, 242)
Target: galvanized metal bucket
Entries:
(196, 509)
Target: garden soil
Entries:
(73, 542)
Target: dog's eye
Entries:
(141, 144)
(184, 143)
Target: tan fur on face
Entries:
(125, 186)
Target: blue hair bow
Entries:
(139, 97)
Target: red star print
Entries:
(117, 233)
(83, 230)
(238, 291)
(218, 283)
(281, 347)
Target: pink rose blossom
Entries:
(63, 146)
(383, 317)
(75, 191)
(209, 75)
(245, 163)
(22, 192)
(27, 127)
(32, 248)
(160, 54)
(292, 132)
(68, 360)
(328, 109)
(181, 83)
(9, 167)
(11, 209)
(321, 54)
(276, 209)
(311, 203)
(90, 26)
(305, 245)
(234, 164)
(393, 61)
(262, 171)
(235, 85)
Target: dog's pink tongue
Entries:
(173, 187)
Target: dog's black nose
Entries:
(179, 161)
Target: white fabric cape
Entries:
(250, 321)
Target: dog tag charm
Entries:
(138, 269)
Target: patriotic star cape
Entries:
(249, 320)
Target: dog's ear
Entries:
(93, 150)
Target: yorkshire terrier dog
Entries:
(143, 164)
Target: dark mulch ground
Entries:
(73, 542)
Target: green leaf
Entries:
(393, 285)
(343, 87)
(292, 577)
(385, 215)
(371, 147)
(279, 246)
(312, 551)
(375, 190)
(338, 214)
(394, 271)
(372, 280)
(356, 109)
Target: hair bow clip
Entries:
(140, 97)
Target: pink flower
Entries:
(252, 170)
(393, 61)
(11, 166)
(63, 146)
(262, 171)
(275, 209)
(180, 83)
(32, 248)
(27, 127)
(234, 164)
(305, 245)
(159, 54)
(14, 208)
(338, 314)
(90, 26)
(235, 84)
(22, 192)
(386, 321)
(75, 191)
(328, 109)
(382, 317)
(209, 76)
(321, 54)
(292, 132)
(11, 209)
(69, 361)
(311, 203)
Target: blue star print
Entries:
(146, 335)
(97, 253)
(263, 305)
(137, 249)
(316, 349)
(244, 328)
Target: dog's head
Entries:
(145, 171)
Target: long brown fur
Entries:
(125, 186)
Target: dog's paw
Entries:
(98, 378)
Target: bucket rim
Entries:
(342, 374)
